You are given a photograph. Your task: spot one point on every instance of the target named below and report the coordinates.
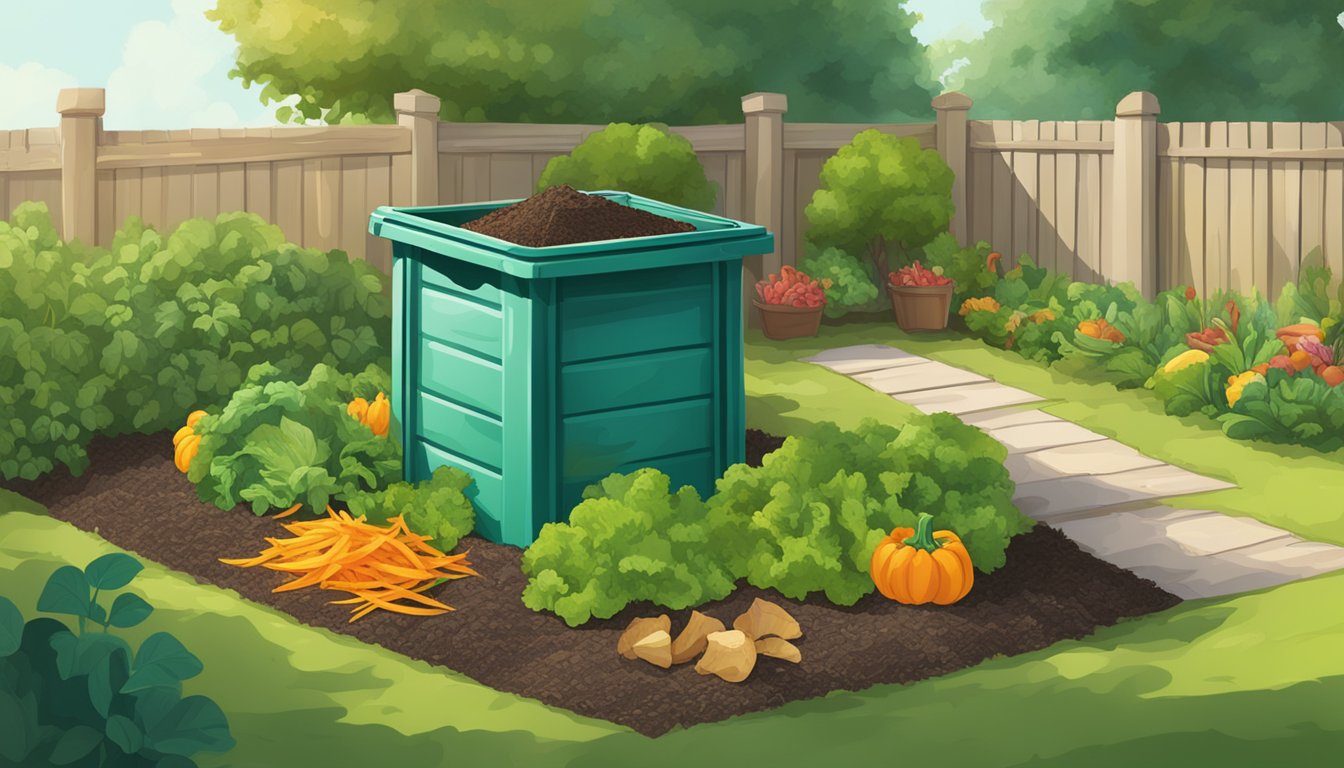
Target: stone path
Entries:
(1099, 492)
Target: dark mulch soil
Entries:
(562, 215)
(1050, 590)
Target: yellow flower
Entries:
(1185, 360)
(987, 303)
(1042, 316)
(1236, 383)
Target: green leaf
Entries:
(123, 732)
(161, 661)
(18, 726)
(128, 610)
(305, 332)
(112, 571)
(100, 684)
(194, 724)
(66, 592)
(11, 627)
(75, 744)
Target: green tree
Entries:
(880, 193)
(590, 61)
(1205, 60)
(646, 160)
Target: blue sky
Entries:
(166, 66)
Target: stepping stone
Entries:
(864, 357)
(997, 418)
(1211, 535)
(1155, 543)
(1050, 499)
(968, 398)
(1101, 457)
(913, 378)
(1034, 437)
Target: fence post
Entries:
(81, 111)
(763, 187)
(419, 111)
(951, 138)
(1134, 233)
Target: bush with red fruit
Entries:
(792, 288)
(918, 276)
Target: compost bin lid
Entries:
(437, 229)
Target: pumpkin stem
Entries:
(923, 538)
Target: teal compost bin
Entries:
(542, 370)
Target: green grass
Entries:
(1249, 681)
(1295, 488)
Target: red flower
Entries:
(1190, 293)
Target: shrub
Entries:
(129, 339)
(1301, 409)
(437, 507)
(805, 521)
(852, 288)
(968, 267)
(877, 193)
(278, 442)
(647, 160)
(629, 539)
(87, 697)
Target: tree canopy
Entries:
(1204, 59)
(588, 61)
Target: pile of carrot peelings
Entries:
(383, 567)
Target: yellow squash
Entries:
(379, 415)
(185, 452)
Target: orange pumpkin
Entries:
(920, 565)
(379, 414)
(1100, 329)
(358, 409)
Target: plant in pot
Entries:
(920, 297)
(790, 304)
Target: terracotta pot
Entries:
(921, 308)
(780, 321)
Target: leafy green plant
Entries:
(129, 339)
(437, 507)
(805, 521)
(86, 697)
(630, 539)
(647, 160)
(969, 268)
(852, 288)
(1299, 409)
(880, 193)
(279, 442)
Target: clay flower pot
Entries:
(781, 321)
(921, 308)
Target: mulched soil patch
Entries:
(562, 215)
(1049, 591)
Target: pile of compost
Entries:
(563, 215)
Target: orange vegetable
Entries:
(194, 417)
(919, 565)
(380, 566)
(1100, 329)
(379, 415)
(1300, 360)
(1333, 375)
(185, 452)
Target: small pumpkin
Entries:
(1100, 329)
(194, 417)
(181, 435)
(920, 565)
(379, 415)
(185, 452)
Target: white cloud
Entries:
(174, 73)
(30, 91)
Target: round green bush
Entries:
(646, 160)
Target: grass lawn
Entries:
(1252, 680)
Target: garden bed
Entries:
(1049, 591)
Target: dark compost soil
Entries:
(562, 215)
(1049, 591)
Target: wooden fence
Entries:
(1214, 205)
